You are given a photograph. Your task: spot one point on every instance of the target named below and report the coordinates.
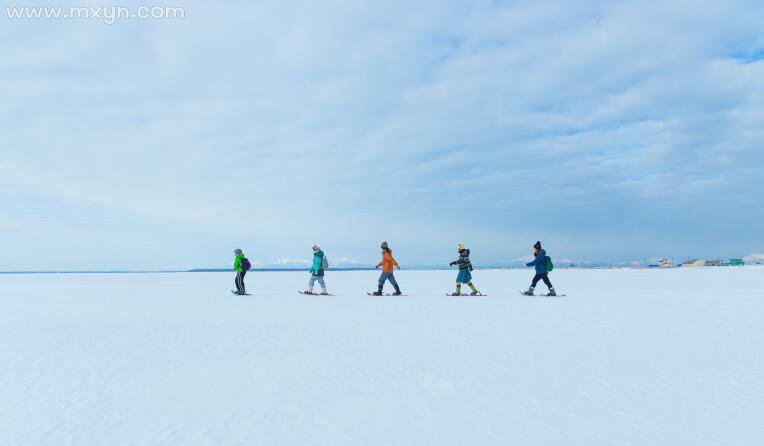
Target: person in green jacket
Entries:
(317, 271)
(238, 266)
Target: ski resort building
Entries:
(701, 262)
(666, 263)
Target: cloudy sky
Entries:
(608, 130)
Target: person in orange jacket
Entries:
(387, 264)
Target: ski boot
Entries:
(324, 293)
(474, 293)
(379, 291)
(397, 292)
(529, 292)
(551, 292)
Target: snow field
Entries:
(628, 357)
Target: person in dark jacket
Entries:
(539, 262)
(465, 270)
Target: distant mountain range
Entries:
(344, 264)
(287, 263)
(754, 259)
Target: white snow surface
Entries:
(643, 357)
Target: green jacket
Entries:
(237, 263)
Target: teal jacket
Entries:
(318, 258)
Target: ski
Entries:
(237, 293)
(314, 294)
(466, 295)
(522, 293)
(386, 294)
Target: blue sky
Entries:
(608, 130)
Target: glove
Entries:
(452, 263)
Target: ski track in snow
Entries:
(628, 357)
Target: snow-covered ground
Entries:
(644, 357)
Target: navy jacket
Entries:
(539, 263)
(464, 260)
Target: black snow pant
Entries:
(544, 277)
(240, 281)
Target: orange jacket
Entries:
(388, 261)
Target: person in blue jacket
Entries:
(317, 271)
(539, 261)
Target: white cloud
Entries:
(421, 121)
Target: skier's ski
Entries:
(466, 295)
(314, 294)
(239, 294)
(522, 293)
(386, 294)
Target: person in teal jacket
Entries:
(240, 271)
(317, 271)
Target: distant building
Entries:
(733, 262)
(666, 263)
(694, 262)
(713, 263)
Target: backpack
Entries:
(548, 264)
(324, 263)
(245, 265)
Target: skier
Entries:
(539, 262)
(465, 268)
(241, 265)
(317, 271)
(387, 264)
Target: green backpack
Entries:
(548, 264)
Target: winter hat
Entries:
(384, 245)
(537, 245)
(237, 251)
(316, 248)
(460, 247)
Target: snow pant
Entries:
(239, 281)
(313, 280)
(387, 276)
(544, 277)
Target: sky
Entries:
(607, 130)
